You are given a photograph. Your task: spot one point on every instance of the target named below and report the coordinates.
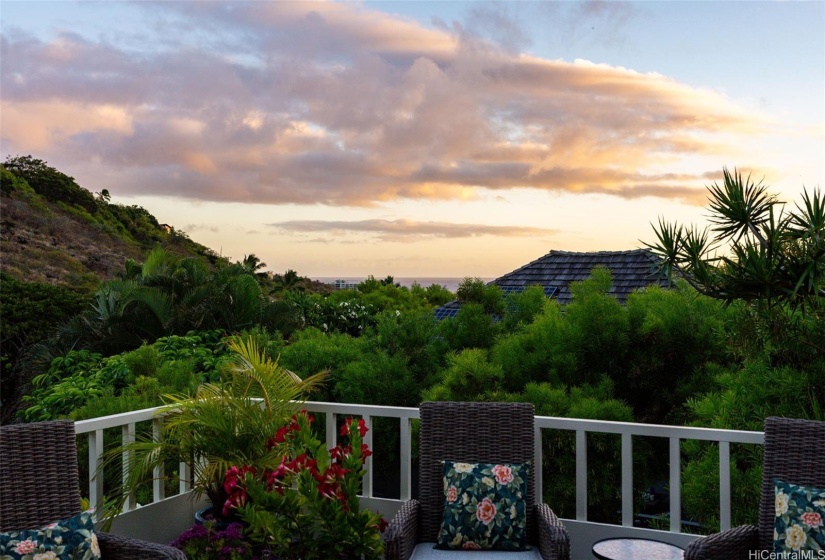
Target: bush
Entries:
(473, 327)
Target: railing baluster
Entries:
(405, 448)
(627, 479)
(724, 485)
(675, 486)
(185, 477)
(95, 481)
(537, 464)
(581, 475)
(366, 483)
(332, 428)
(158, 486)
(127, 437)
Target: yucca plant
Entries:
(223, 424)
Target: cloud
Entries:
(200, 227)
(336, 104)
(406, 230)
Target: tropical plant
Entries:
(289, 281)
(307, 507)
(772, 256)
(222, 424)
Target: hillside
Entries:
(55, 231)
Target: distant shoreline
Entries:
(451, 283)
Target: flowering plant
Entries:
(206, 542)
(308, 506)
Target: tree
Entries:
(289, 281)
(50, 183)
(253, 265)
(758, 250)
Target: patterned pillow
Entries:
(485, 506)
(69, 539)
(800, 512)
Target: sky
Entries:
(416, 139)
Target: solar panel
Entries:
(549, 291)
(445, 313)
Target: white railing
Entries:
(675, 434)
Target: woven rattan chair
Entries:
(39, 484)
(795, 453)
(471, 432)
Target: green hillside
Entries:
(53, 230)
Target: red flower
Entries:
(362, 427)
(234, 501)
(365, 451)
(234, 476)
(345, 428)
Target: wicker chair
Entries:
(472, 432)
(39, 484)
(794, 451)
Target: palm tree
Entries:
(289, 281)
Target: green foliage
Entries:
(50, 183)
(233, 421)
(309, 507)
(469, 377)
(29, 312)
(541, 351)
(594, 402)
(434, 294)
(772, 258)
(473, 290)
(11, 183)
(473, 327)
(415, 338)
(522, 308)
(312, 351)
(379, 378)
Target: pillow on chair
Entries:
(800, 517)
(69, 539)
(485, 506)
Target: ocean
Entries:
(448, 282)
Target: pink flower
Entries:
(452, 494)
(812, 519)
(470, 545)
(486, 511)
(26, 547)
(503, 474)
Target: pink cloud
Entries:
(331, 103)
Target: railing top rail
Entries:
(363, 409)
(653, 430)
(116, 420)
(549, 422)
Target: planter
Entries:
(205, 514)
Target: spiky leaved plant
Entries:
(222, 424)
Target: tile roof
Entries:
(631, 271)
(555, 271)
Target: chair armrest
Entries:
(554, 541)
(401, 535)
(733, 544)
(117, 547)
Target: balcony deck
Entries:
(167, 517)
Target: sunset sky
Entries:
(415, 138)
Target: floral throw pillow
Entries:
(69, 539)
(800, 513)
(485, 506)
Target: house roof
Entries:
(631, 271)
(555, 271)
